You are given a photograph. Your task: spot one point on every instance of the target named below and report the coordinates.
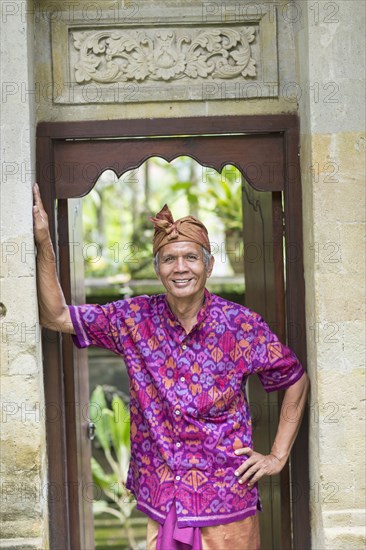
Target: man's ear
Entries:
(210, 267)
(156, 268)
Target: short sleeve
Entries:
(97, 325)
(275, 363)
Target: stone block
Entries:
(340, 346)
(336, 83)
(352, 243)
(352, 538)
(18, 255)
(16, 190)
(22, 544)
(339, 297)
(3, 355)
(23, 364)
(326, 248)
(351, 517)
(23, 457)
(354, 345)
(338, 182)
(23, 414)
(332, 101)
(335, 489)
(18, 294)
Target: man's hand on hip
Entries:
(257, 466)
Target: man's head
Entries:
(187, 229)
(182, 254)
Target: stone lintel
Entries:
(179, 57)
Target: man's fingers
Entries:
(37, 196)
(247, 464)
(38, 204)
(244, 451)
(36, 193)
(248, 476)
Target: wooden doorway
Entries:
(70, 157)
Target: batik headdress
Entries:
(185, 229)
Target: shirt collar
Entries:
(201, 315)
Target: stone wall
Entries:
(318, 58)
(330, 52)
(23, 452)
(72, 88)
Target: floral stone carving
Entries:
(109, 56)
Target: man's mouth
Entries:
(181, 281)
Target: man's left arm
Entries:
(292, 409)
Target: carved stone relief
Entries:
(112, 62)
(120, 55)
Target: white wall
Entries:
(24, 482)
(330, 56)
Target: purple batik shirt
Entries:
(189, 411)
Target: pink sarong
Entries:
(172, 537)
(241, 535)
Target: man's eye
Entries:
(192, 257)
(168, 259)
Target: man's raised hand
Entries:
(40, 218)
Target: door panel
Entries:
(65, 170)
(264, 293)
(81, 377)
(76, 384)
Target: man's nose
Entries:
(180, 264)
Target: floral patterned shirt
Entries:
(189, 410)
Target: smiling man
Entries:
(188, 353)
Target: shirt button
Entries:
(182, 379)
(177, 478)
(184, 346)
(177, 412)
(178, 444)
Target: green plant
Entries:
(226, 191)
(112, 431)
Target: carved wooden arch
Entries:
(257, 157)
(61, 174)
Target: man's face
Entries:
(182, 270)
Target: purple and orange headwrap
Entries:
(188, 229)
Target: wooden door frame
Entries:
(61, 447)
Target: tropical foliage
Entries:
(112, 432)
(226, 195)
(116, 212)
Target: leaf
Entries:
(181, 186)
(192, 199)
(241, 55)
(118, 44)
(122, 422)
(198, 68)
(209, 40)
(99, 507)
(97, 404)
(116, 430)
(102, 507)
(81, 75)
(79, 39)
(250, 69)
(104, 480)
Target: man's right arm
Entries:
(53, 310)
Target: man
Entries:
(188, 353)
